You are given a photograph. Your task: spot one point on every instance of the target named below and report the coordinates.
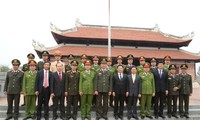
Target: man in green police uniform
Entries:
(167, 61)
(140, 68)
(81, 66)
(45, 57)
(103, 89)
(71, 89)
(28, 89)
(119, 62)
(95, 66)
(109, 65)
(68, 64)
(185, 91)
(12, 89)
(147, 90)
(127, 69)
(86, 90)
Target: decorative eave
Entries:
(156, 28)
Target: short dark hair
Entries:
(47, 62)
(133, 67)
(120, 65)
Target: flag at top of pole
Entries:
(109, 31)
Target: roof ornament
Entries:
(78, 23)
(156, 28)
(189, 36)
(38, 46)
(54, 28)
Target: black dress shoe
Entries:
(62, 118)
(162, 116)
(26, 118)
(169, 115)
(142, 117)
(23, 104)
(15, 118)
(187, 116)
(8, 118)
(150, 117)
(156, 116)
(120, 117)
(175, 116)
(129, 117)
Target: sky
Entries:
(22, 21)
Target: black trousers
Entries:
(10, 99)
(132, 105)
(43, 98)
(119, 99)
(59, 99)
(172, 98)
(159, 103)
(72, 100)
(184, 98)
(102, 104)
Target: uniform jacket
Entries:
(72, 84)
(40, 80)
(80, 67)
(134, 88)
(29, 82)
(160, 82)
(103, 81)
(95, 68)
(53, 66)
(173, 81)
(148, 83)
(58, 86)
(13, 83)
(25, 67)
(120, 86)
(140, 69)
(86, 83)
(186, 84)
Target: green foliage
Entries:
(4, 68)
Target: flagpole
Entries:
(109, 31)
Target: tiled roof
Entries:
(137, 52)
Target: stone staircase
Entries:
(194, 112)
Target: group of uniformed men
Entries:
(153, 84)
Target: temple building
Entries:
(149, 42)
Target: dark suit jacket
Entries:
(57, 86)
(160, 82)
(40, 80)
(120, 86)
(134, 88)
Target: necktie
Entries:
(60, 76)
(120, 76)
(160, 73)
(45, 80)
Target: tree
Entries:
(4, 68)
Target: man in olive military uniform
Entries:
(25, 67)
(28, 89)
(58, 56)
(69, 60)
(147, 91)
(86, 90)
(95, 66)
(119, 62)
(12, 89)
(109, 65)
(185, 91)
(127, 69)
(112, 70)
(81, 66)
(173, 87)
(71, 89)
(103, 89)
(153, 64)
(167, 61)
(45, 57)
(140, 68)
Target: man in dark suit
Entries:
(134, 82)
(58, 91)
(43, 83)
(120, 91)
(12, 89)
(160, 77)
